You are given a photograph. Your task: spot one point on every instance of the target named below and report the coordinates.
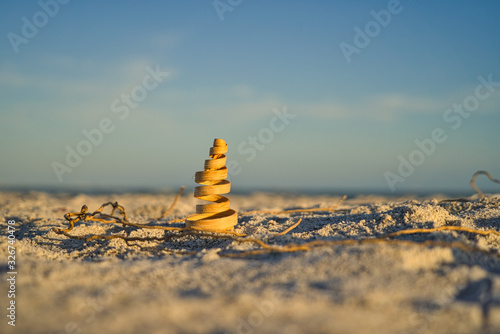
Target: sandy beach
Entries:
(446, 281)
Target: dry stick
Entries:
(74, 217)
(442, 228)
(306, 246)
(382, 239)
(179, 220)
(465, 200)
(473, 181)
(110, 237)
(288, 229)
(350, 242)
(192, 230)
(183, 233)
(83, 215)
(187, 231)
(330, 208)
(164, 214)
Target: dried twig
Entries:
(463, 200)
(473, 181)
(383, 239)
(441, 228)
(99, 216)
(265, 248)
(350, 242)
(169, 210)
(288, 229)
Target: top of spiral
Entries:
(219, 142)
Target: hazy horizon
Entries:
(388, 96)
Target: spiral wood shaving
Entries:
(217, 215)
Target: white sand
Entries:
(72, 286)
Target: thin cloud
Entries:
(389, 107)
(233, 105)
(55, 78)
(165, 40)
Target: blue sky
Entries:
(229, 67)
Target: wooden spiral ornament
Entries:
(217, 215)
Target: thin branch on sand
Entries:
(174, 203)
(473, 181)
(265, 248)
